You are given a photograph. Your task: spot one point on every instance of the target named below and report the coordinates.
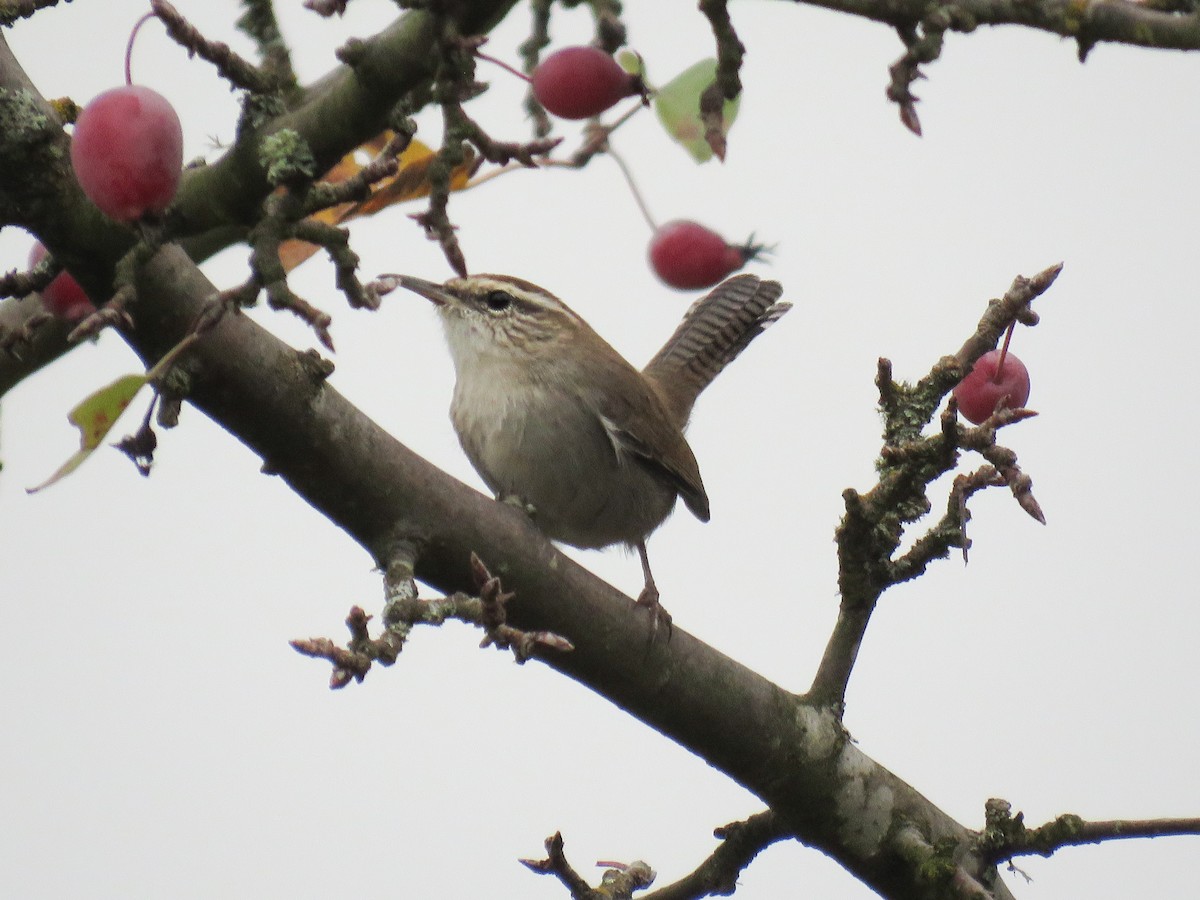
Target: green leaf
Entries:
(678, 106)
(94, 417)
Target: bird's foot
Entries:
(519, 502)
(659, 617)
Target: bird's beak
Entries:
(435, 293)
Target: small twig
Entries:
(556, 864)
(258, 22)
(499, 152)
(740, 843)
(530, 50)
(238, 71)
(453, 81)
(1007, 836)
(610, 30)
(922, 44)
(619, 881)
(493, 618)
(15, 10)
(1013, 306)
(404, 610)
(278, 223)
(727, 85)
(354, 660)
(111, 314)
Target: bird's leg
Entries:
(649, 595)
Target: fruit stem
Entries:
(505, 66)
(637, 195)
(1003, 353)
(129, 46)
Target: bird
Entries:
(558, 422)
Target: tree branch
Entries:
(1007, 836)
(869, 535)
(741, 842)
(1113, 21)
(792, 754)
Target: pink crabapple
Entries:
(581, 82)
(689, 256)
(62, 297)
(987, 385)
(127, 152)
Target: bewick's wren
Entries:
(549, 413)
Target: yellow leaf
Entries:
(95, 416)
(410, 182)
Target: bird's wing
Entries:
(652, 440)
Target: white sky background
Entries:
(162, 739)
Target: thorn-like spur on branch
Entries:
(114, 313)
(983, 440)
(438, 227)
(239, 72)
(281, 215)
(111, 314)
(556, 864)
(354, 660)
(727, 84)
(336, 242)
(922, 45)
(717, 876)
(357, 187)
(504, 152)
(618, 882)
(1006, 835)
(493, 618)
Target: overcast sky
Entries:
(162, 739)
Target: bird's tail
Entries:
(713, 332)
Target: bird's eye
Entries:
(498, 301)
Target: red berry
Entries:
(982, 390)
(581, 82)
(128, 151)
(62, 297)
(688, 256)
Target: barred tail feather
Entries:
(713, 332)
